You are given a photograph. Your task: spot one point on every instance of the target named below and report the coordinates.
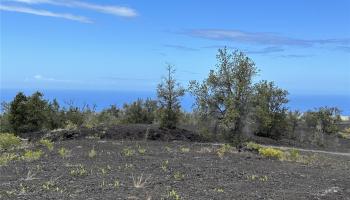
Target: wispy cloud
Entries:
(121, 11)
(261, 38)
(295, 56)
(343, 48)
(39, 77)
(45, 13)
(266, 50)
(180, 47)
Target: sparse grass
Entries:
(164, 166)
(257, 178)
(269, 152)
(223, 150)
(253, 146)
(139, 182)
(179, 176)
(79, 171)
(184, 149)
(294, 154)
(92, 153)
(127, 152)
(47, 143)
(31, 155)
(174, 195)
(7, 157)
(9, 141)
(168, 149)
(64, 153)
(219, 190)
(116, 184)
(141, 150)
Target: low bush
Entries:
(32, 155)
(223, 150)
(47, 143)
(64, 153)
(271, 152)
(8, 141)
(7, 157)
(253, 146)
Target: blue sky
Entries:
(304, 46)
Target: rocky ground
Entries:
(169, 170)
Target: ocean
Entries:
(103, 99)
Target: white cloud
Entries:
(108, 9)
(46, 13)
(39, 77)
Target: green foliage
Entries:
(32, 155)
(79, 171)
(224, 95)
(140, 111)
(27, 114)
(174, 195)
(224, 149)
(324, 119)
(253, 146)
(127, 152)
(269, 110)
(64, 153)
(92, 153)
(7, 157)
(8, 141)
(47, 143)
(179, 176)
(169, 94)
(271, 152)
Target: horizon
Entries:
(90, 45)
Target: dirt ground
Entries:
(170, 170)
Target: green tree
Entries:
(225, 94)
(169, 94)
(27, 114)
(269, 111)
(326, 118)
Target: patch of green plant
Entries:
(294, 154)
(127, 152)
(174, 195)
(271, 152)
(47, 143)
(141, 150)
(257, 178)
(164, 166)
(184, 149)
(219, 190)
(116, 184)
(79, 171)
(223, 150)
(253, 146)
(179, 176)
(7, 157)
(64, 153)
(32, 155)
(8, 141)
(92, 153)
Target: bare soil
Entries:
(169, 169)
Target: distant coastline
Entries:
(104, 98)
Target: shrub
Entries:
(223, 150)
(271, 152)
(64, 153)
(92, 153)
(7, 157)
(127, 152)
(184, 149)
(253, 146)
(47, 143)
(32, 155)
(324, 119)
(140, 111)
(78, 171)
(8, 141)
